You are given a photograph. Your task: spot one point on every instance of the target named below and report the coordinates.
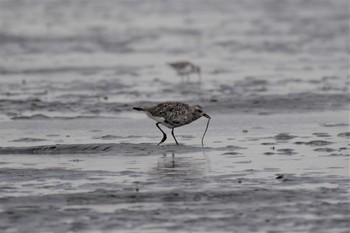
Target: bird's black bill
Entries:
(206, 128)
(206, 115)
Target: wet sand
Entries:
(75, 157)
(266, 173)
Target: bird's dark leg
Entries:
(187, 78)
(172, 133)
(164, 135)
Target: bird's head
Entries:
(198, 112)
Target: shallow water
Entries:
(93, 60)
(74, 157)
(259, 157)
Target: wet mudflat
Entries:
(268, 173)
(74, 157)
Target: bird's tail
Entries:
(138, 109)
(171, 64)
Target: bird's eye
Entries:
(200, 111)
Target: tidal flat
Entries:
(75, 157)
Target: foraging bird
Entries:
(173, 115)
(185, 68)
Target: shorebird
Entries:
(173, 115)
(185, 68)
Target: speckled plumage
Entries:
(173, 115)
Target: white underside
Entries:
(185, 70)
(159, 119)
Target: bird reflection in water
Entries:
(172, 167)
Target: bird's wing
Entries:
(174, 113)
(179, 65)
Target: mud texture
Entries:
(75, 157)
